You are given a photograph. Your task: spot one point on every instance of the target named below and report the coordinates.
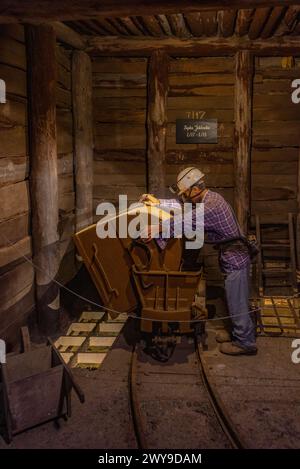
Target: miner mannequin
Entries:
(221, 228)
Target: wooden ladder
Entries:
(289, 272)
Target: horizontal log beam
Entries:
(143, 47)
(68, 36)
(62, 10)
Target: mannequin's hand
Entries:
(149, 199)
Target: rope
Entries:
(111, 310)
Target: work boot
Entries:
(233, 348)
(223, 336)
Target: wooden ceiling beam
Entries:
(226, 22)
(210, 24)
(130, 26)
(195, 24)
(69, 10)
(107, 26)
(259, 20)
(115, 22)
(151, 24)
(206, 46)
(178, 25)
(68, 36)
(273, 21)
(164, 23)
(243, 21)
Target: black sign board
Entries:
(196, 131)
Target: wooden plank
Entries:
(195, 23)
(14, 200)
(119, 93)
(64, 78)
(66, 183)
(15, 80)
(125, 103)
(244, 18)
(63, 57)
(286, 155)
(201, 103)
(277, 209)
(14, 229)
(223, 116)
(63, 98)
(123, 136)
(83, 137)
(16, 10)
(13, 141)
(136, 156)
(12, 52)
(158, 85)
(64, 131)
(193, 90)
(13, 169)
(209, 20)
(201, 79)
(119, 65)
(206, 65)
(14, 31)
(13, 252)
(44, 179)
(66, 202)
(16, 316)
(260, 18)
(68, 36)
(196, 157)
(118, 168)
(192, 47)
(274, 193)
(130, 25)
(15, 284)
(13, 113)
(152, 25)
(128, 80)
(226, 22)
(273, 21)
(272, 167)
(65, 163)
(242, 135)
(103, 115)
(178, 26)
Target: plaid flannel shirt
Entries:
(219, 224)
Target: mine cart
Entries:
(36, 388)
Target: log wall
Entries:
(16, 275)
(119, 106)
(198, 85)
(275, 142)
(17, 295)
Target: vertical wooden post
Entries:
(158, 85)
(83, 138)
(242, 136)
(41, 47)
(298, 215)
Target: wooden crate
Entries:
(36, 388)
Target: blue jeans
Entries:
(237, 295)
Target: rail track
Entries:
(175, 404)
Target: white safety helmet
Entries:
(187, 178)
